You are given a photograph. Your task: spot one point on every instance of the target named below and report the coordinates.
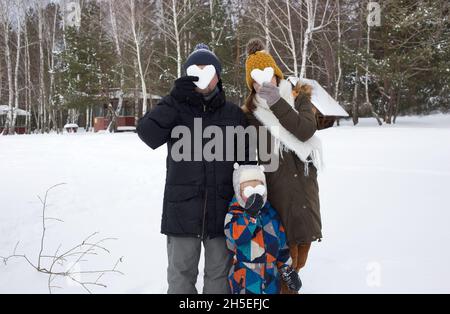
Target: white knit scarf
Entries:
(285, 140)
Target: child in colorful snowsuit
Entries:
(256, 238)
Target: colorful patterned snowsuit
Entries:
(259, 250)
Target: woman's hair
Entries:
(249, 105)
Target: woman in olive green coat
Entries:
(293, 188)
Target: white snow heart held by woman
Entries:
(256, 226)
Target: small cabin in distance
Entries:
(128, 116)
(20, 127)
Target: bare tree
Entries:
(288, 17)
(42, 122)
(172, 21)
(5, 16)
(216, 35)
(69, 260)
(266, 23)
(368, 104)
(339, 54)
(275, 18)
(116, 39)
(19, 9)
(51, 53)
(312, 7)
(131, 18)
(28, 83)
(137, 36)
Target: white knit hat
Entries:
(247, 173)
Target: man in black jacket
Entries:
(198, 190)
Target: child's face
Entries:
(253, 184)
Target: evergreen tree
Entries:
(87, 68)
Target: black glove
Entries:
(254, 204)
(291, 278)
(184, 87)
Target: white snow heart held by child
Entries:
(256, 238)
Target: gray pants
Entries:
(184, 256)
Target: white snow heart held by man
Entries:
(241, 181)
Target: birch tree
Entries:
(288, 18)
(51, 52)
(6, 23)
(42, 122)
(28, 83)
(132, 19)
(118, 48)
(173, 23)
(19, 9)
(275, 18)
(312, 7)
(339, 55)
(135, 25)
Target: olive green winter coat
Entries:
(291, 191)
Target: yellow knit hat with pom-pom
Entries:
(258, 58)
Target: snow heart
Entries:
(204, 75)
(262, 77)
(259, 189)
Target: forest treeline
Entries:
(64, 65)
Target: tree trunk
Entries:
(53, 109)
(177, 36)
(42, 93)
(355, 106)
(391, 105)
(291, 39)
(12, 129)
(339, 58)
(136, 97)
(266, 24)
(307, 36)
(138, 56)
(212, 24)
(368, 103)
(88, 119)
(28, 84)
(112, 125)
(9, 116)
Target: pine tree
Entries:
(87, 69)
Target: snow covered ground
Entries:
(383, 193)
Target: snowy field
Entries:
(384, 197)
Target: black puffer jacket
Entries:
(197, 193)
